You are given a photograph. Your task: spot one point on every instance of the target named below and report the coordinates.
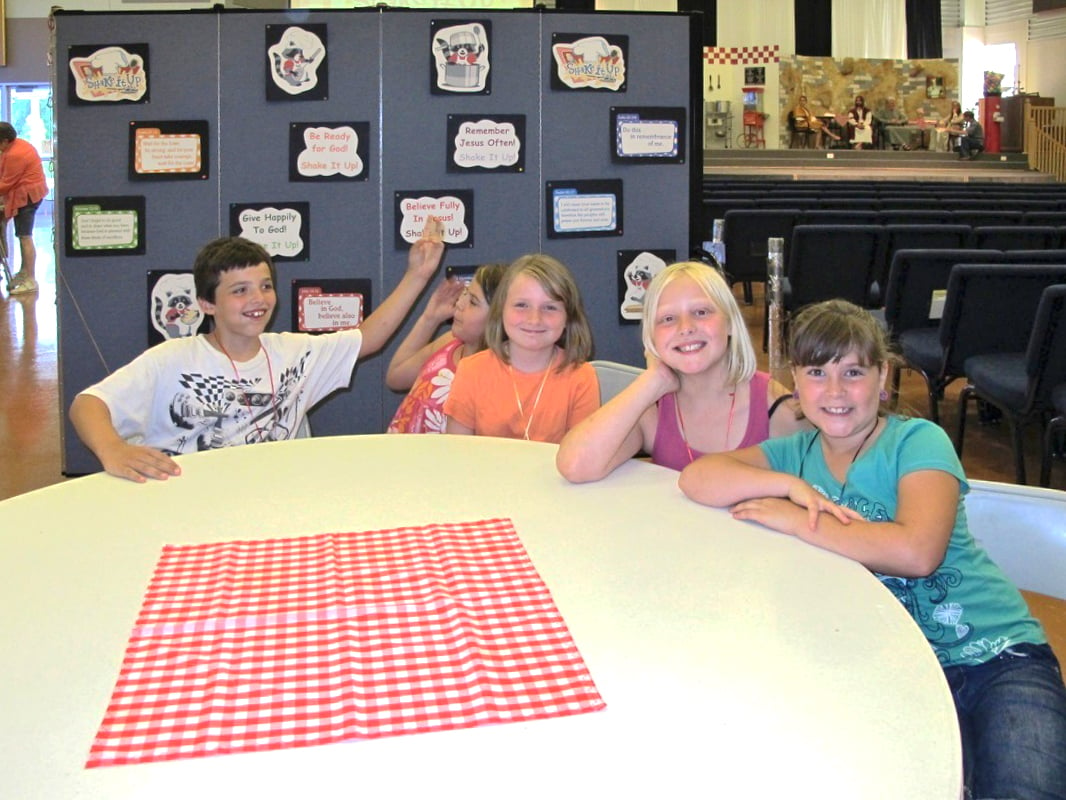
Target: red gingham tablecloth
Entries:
(258, 645)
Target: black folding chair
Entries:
(1020, 383)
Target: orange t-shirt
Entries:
(483, 398)
(22, 178)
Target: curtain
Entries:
(924, 38)
(814, 27)
(870, 29)
(757, 23)
(710, 17)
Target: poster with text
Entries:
(283, 229)
(636, 268)
(459, 57)
(107, 74)
(105, 226)
(453, 207)
(174, 150)
(588, 61)
(481, 143)
(296, 62)
(584, 208)
(329, 151)
(173, 311)
(330, 304)
(648, 135)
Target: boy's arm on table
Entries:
(92, 420)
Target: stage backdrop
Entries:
(327, 136)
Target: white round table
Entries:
(735, 662)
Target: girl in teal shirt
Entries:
(887, 491)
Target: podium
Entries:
(987, 110)
(1015, 109)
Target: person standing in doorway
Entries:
(22, 188)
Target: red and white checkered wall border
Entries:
(763, 54)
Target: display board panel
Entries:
(329, 116)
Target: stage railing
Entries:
(1045, 140)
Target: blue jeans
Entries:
(969, 146)
(1012, 715)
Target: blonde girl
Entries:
(700, 393)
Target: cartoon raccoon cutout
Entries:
(175, 312)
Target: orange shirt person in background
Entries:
(22, 187)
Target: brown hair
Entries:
(829, 330)
(558, 282)
(222, 255)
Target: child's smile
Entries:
(244, 302)
(687, 324)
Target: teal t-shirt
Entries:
(967, 609)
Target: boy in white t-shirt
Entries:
(237, 384)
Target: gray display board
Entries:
(377, 70)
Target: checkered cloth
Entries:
(258, 645)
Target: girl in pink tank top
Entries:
(700, 393)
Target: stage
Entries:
(867, 165)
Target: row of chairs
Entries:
(865, 250)
(997, 321)
(945, 215)
(777, 184)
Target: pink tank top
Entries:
(669, 449)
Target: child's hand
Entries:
(425, 254)
(137, 463)
(441, 304)
(803, 494)
(776, 513)
(665, 377)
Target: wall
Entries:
(27, 52)
(1046, 69)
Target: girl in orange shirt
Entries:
(533, 382)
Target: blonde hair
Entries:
(559, 284)
(740, 355)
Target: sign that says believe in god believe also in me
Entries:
(329, 304)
